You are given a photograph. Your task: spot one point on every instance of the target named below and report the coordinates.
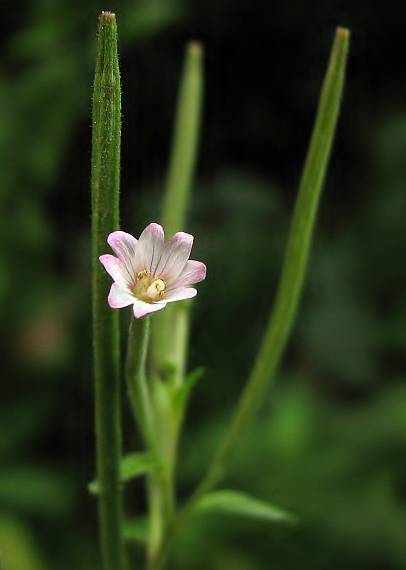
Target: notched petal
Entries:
(115, 268)
(193, 272)
(122, 243)
(119, 297)
(141, 308)
(180, 294)
(124, 246)
(175, 254)
(150, 247)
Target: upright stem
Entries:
(165, 338)
(181, 325)
(185, 140)
(296, 257)
(156, 519)
(170, 329)
(105, 219)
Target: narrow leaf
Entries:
(170, 330)
(183, 392)
(136, 464)
(132, 465)
(137, 531)
(236, 503)
(296, 256)
(185, 140)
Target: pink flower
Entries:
(150, 272)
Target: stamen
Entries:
(156, 289)
(149, 288)
(142, 274)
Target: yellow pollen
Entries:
(142, 274)
(149, 288)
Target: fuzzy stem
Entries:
(295, 261)
(105, 182)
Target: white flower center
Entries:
(156, 289)
(149, 288)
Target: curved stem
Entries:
(295, 262)
(140, 398)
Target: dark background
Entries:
(330, 441)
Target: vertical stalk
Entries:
(296, 256)
(105, 180)
(181, 324)
(185, 140)
(156, 519)
(170, 329)
(165, 338)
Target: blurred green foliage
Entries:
(329, 442)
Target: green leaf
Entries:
(296, 257)
(19, 550)
(236, 503)
(170, 329)
(183, 392)
(137, 531)
(33, 489)
(136, 464)
(132, 465)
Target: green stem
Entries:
(105, 219)
(144, 414)
(296, 258)
(181, 324)
(170, 329)
(140, 398)
(185, 140)
(166, 345)
(156, 519)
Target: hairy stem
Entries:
(105, 182)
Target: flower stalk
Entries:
(105, 180)
(138, 390)
(140, 398)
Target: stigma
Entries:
(149, 288)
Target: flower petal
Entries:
(119, 297)
(180, 294)
(124, 246)
(150, 246)
(141, 308)
(193, 272)
(175, 254)
(115, 269)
